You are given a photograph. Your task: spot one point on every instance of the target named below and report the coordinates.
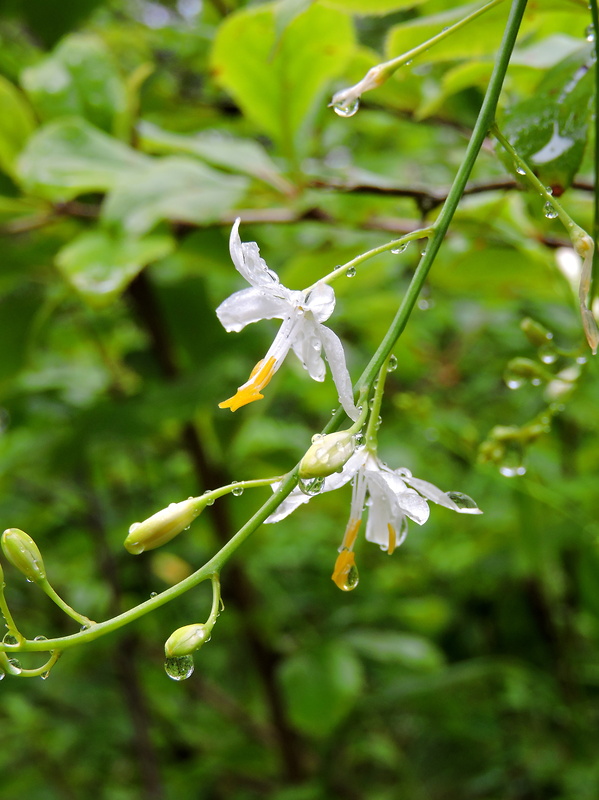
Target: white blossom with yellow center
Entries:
(302, 331)
(391, 496)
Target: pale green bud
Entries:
(536, 333)
(23, 553)
(162, 526)
(185, 640)
(327, 454)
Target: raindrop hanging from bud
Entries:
(346, 108)
(311, 486)
(179, 668)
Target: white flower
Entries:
(302, 330)
(391, 497)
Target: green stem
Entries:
(8, 618)
(216, 601)
(380, 73)
(481, 128)
(209, 570)
(64, 606)
(373, 422)
(421, 233)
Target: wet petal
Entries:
(307, 347)
(320, 302)
(248, 261)
(250, 305)
(289, 504)
(432, 492)
(336, 357)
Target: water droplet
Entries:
(378, 423)
(153, 594)
(317, 437)
(520, 170)
(134, 527)
(401, 249)
(351, 579)
(179, 668)
(350, 272)
(581, 360)
(45, 675)
(311, 486)
(549, 211)
(40, 638)
(548, 354)
(463, 502)
(423, 304)
(359, 438)
(371, 403)
(85, 627)
(392, 365)
(347, 108)
(15, 664)
(590, 33)
(511, 464)
(404, 472)
(10, 639)
(237, 491)
(1, 676)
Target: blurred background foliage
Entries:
(132, 133)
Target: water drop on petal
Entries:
(179, 668)
(465, 503)
(311, 486)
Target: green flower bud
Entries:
(536, 333)
(327, 454)
(185, 640)
(162, 526)
(23, 553)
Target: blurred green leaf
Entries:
(173, 188)
(549, 130)
(17, 123)
(18, 311)
(237, 155)
(69, 157)
(413, 652)
(79, 78)
(371, 6)
(277, 86)
(321, 687)
(100, 264)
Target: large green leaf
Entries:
(549, 130)
(69, 156)
(277, 86)
(173, 188)
(79, 78)
(16, 124)
(237, 155)
(407, 650)
(100, 264)
(321, 687)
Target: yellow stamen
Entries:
(345, 574)
(351, 532)
(250, 391)
(392, 538)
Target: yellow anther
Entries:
(345, 575)
(250, 391)
(392, 538)
(351, 532)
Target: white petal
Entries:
(321, 301)
(248, 262)
(414, 506)
(250, 305)
(307, 347)
(289, 504)
(336, 358)
(432, 492)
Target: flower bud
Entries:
(23, 553)
(536, 333)
(185, 640)
(162, 526)
(327, 454)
